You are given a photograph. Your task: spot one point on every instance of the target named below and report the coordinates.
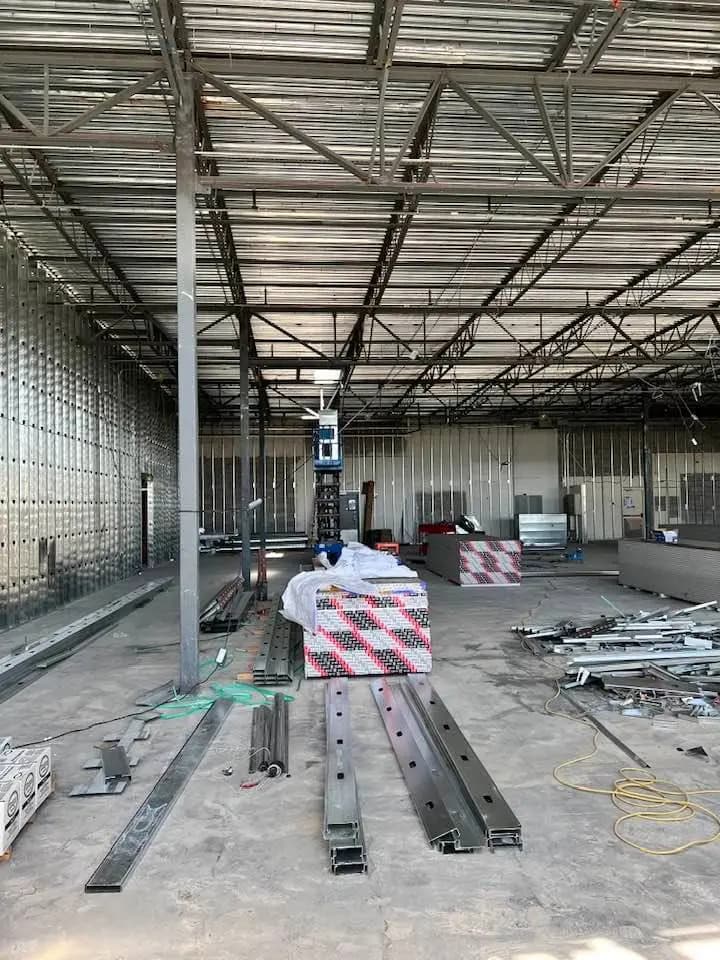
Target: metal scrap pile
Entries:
(651, 663)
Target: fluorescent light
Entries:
(326, 376)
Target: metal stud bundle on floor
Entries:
(227, 609)
(455, 797)
(343, 824)
(273, 664)
(260, 739)
(270, 738)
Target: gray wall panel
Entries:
(78, 427)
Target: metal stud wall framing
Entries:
(419, 477)
(78, 427)
(686, 478)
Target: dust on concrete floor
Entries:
(243, 873)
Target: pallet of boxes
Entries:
(25, 784)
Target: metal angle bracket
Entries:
(342, 825)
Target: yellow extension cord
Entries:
(639, 795)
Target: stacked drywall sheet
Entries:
(362, 634)
(473, 561)
(688, 573)
(699, 535)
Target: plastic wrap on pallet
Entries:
(360, 635)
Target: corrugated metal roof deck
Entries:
(487, 302)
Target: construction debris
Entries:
(662, 662)
(114, 763)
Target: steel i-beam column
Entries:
(244, 345)
(647, 472)
(262, 493)
(188, 452)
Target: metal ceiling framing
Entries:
(466, 212)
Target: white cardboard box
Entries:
(10, 809)
(40, 760)
(26, 779)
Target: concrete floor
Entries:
(243, 873)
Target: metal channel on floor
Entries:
(342, 826)
(130, 846)
(456, 799)
(273, 664)
(17, 666)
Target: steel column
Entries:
(188, 419)
(648, 498)
(245, 448)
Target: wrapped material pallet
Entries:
(473, 561)
(361, 634)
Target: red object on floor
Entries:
(389, 547)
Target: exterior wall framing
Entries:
(78, 428)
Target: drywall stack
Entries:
(688, 573)
(474, 561)
(362, 634)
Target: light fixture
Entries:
(326, 376)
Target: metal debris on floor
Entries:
(114, 764)
(666, 662)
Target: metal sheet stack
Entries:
(361, 634)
